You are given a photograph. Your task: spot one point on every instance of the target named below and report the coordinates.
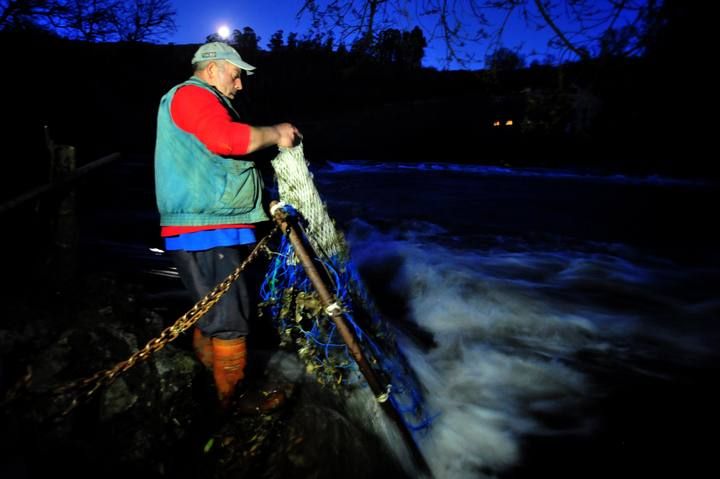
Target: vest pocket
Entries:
(241, 191)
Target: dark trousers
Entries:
(201, 271)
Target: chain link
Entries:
(86, 387)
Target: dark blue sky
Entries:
(197, 19)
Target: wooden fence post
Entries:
(65, 233)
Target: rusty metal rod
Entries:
(335, 312)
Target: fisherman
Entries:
(210, 199)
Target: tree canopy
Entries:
(91, 20)
(577, 28)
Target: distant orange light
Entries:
(496, 123)
(508, 123)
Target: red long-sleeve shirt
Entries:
(198, 112)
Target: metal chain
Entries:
(182, 324)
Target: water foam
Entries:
(508, 328)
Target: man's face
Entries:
(227, 79)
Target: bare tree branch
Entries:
(92, 20)
(551, 23)
(581, 27)
(142, 20)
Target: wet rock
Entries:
(160, 418)
(117, 399)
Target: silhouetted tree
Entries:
(413, 49)
(362, 47)
(400, 48)
(92, 20)
(504, 59)
(584, 28)
(246, 40)
(276, 41)
(311, 42)
(388, 45)
(89, 20)
(355, 20)
(18, 15)
(328, 42)
(142, 20)
(292, 41)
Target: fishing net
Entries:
(297, 311)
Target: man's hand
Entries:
(287, 133)
(282, 134)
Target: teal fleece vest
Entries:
(195, 187)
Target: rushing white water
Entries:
(535, 286)
(508, 328)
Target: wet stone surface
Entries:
(159, 418)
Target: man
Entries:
(209, 199)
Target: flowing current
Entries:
(563, 323)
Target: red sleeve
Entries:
(197, 111)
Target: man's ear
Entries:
(212, 69)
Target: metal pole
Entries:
(333, 310)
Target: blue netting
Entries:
(289, 297)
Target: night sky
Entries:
(196, 20)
